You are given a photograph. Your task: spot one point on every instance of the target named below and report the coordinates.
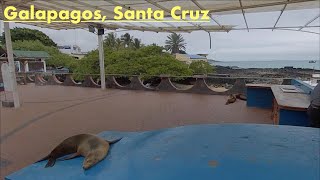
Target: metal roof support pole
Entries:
(101, 58)
(284, 7)
(12, 72)
(202, 8)
(309, 22)
(272, 3)
(129, 8)
(169, 11)
(244, 16)
(210, 39)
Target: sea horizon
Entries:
(266, 64)
(260, 60)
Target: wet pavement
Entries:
(50, 114)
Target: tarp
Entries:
(233, 151)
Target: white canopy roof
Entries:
(216, 7)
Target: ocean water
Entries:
(269, 64)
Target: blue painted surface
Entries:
(294, 118)
(307, 88)
(259, 97)
(234, 151)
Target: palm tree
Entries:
(110, 39)
(136, 43)
(126, 39)
(175, 43)
(118, 44)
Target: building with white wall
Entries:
(188, 58)
(74, 51)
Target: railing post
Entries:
(101, 58)
(12, 76)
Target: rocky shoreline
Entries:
(288, 72)
(265, 75)
(225, 77)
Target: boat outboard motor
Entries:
(314, 108)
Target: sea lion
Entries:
(241, 97)
(231, 99)
(92, 147)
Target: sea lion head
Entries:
(90, 161)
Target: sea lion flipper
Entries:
(74, 155)
(45, 158)
(114, 141)
(242, 97)
(50, 163)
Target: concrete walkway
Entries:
(50, 114)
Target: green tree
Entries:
(25, 34)
(118, 44)
(110, 40)
(136, 43)
(126, 39)
(165, 64)
(175, 43)
(201, 67)
(88, 65)
(151, 50)
(146, 61)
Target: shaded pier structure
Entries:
(199, 84)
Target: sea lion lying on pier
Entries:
(232, 98)
(241, 97)
(92, 147)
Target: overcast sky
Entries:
(232, 46)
